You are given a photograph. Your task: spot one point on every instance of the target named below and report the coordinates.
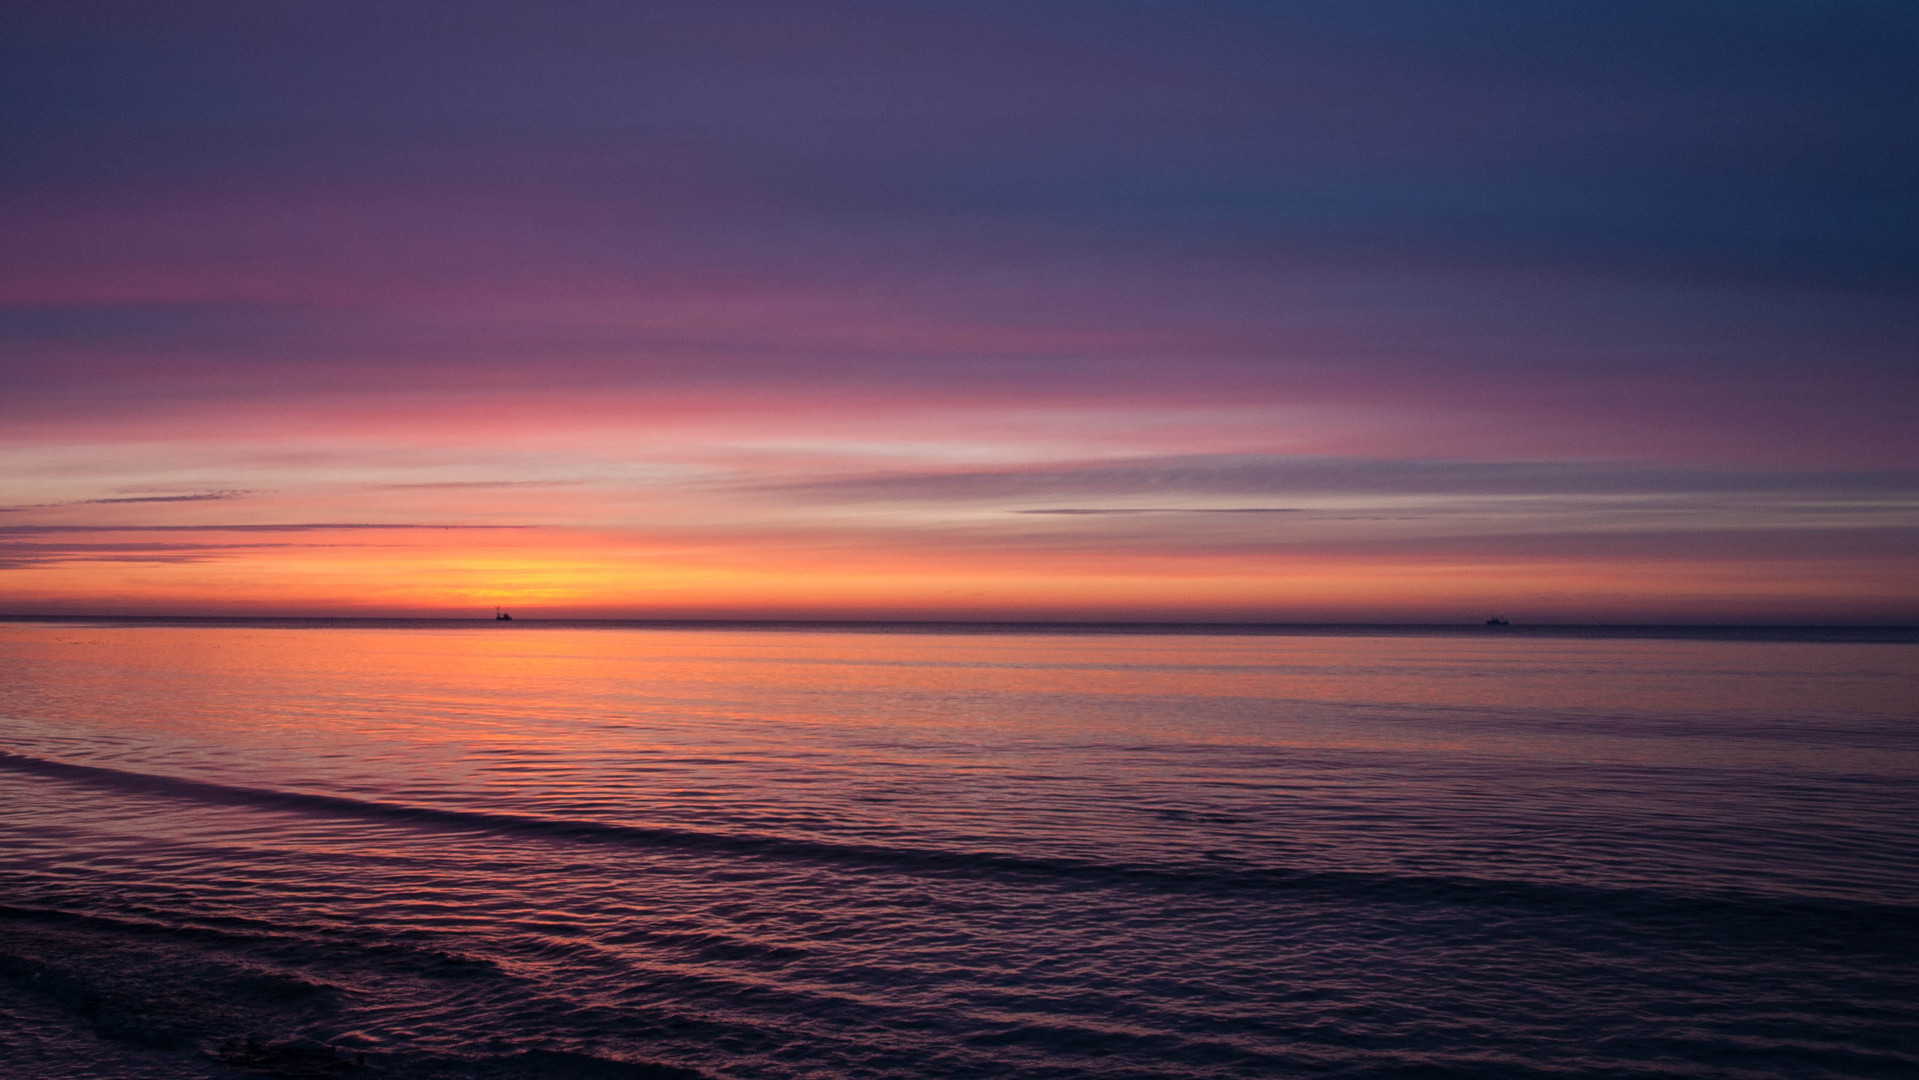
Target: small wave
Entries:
(307, 1058)
(295, 945)
(1843, 923)
(131, 1005)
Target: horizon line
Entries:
(1872, 630)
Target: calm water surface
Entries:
(477, 851)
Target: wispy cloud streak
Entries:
(201, 496)
(288, 527)
(1242, 474)
(1074, 511)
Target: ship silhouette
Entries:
(501, 616)
(1497, 621)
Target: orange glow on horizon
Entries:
(602, 574)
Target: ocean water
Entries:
(448, 851)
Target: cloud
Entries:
(1097, 510)
(19, 548)
(204, 496)
(200, 496)
(462, 485)
(289, 527)
(1243, 475)
(186, 325)
(19, 556)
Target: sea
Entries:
(449, 850)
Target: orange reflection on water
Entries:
(315, 691)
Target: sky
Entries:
(1038, 310)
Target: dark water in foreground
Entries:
(429, 851)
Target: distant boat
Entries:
(501, 616)
(1497, 621)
